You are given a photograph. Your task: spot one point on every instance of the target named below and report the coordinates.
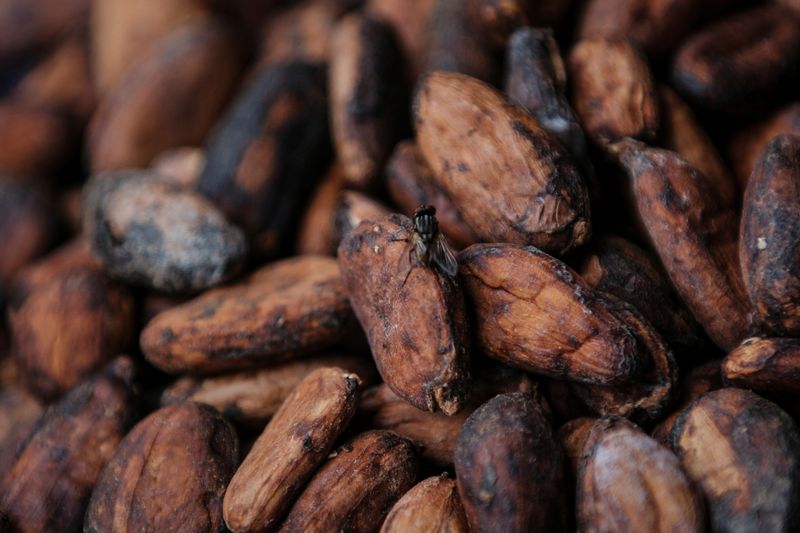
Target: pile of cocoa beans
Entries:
(408, 266)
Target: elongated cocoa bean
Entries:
(769, 365)
(431, 506)
(511, 181)
(168, 474)
(413, 315)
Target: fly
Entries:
(427, 245)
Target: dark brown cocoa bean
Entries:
(511, 181)
(740, 62)
(351, 209)
(744, 454)
(411, 184)
(536, 79)
(168, 474)
(769, 365)
(258, 168)
(695, 237)
(365, 78)
(67, 319)
(630, 483)
(285, 310)
(151, 233)
(51, 481)
(613, 91)
(293, 445)
(748, 144)
(358, 485)
(575, 336)
(509, 467)
(250, 398)
(413, 315)
(619, 267)
(769, 238)
(432, 506)
(195, 67)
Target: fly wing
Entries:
(443, 257)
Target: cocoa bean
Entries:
(168, 474)
(742, 451)
(497, 19)
(180, 166)
(430, 506)
(49, 486)
(351, 209)
(19, 412)
(410, 21)
(317, 234)
(511, 181)
(509, 467)
(34, 140)
(574, 335)
(285, 310)
(251, 398)
(258, 170)
(741, 61)
(358, 485)
(769, 365)
(629, 482)
(195, 67)
(293, 445)
(695, 237)
(412, 313)
(67, 319)
(613, 91)
(365, 80)
(150, 233)
(770, 234)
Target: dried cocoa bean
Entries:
(613, 91)
(748, 144)
(619, 267)
(365, 80)
(743, 453)
(509, 467)
(694, 235)
(536, 79)
(410, 21)
(251, 398)
(682, 133)
(151, 233)
(258, 169)
(769, 365)
(739, 62)
(51, 481)
(293, 445)
(431, 506)
(510, 179)
(412, 313)
(770, 234)
(497, 19)
(195, 67)
(629, 482)
(573, 335)
(358, 485)
(573, 437)
(67, 319)
(411, 184)
(284, 310)
(168, 474)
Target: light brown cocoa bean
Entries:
(431, 506)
